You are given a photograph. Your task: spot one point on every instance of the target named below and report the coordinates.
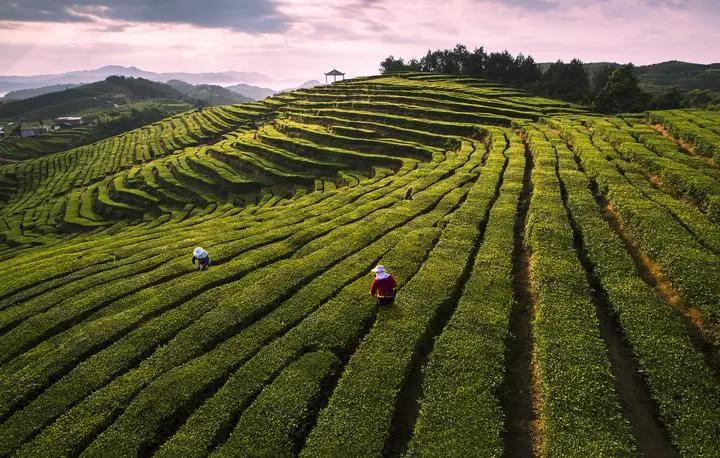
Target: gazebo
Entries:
(334, 73)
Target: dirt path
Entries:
(704, 333)
(686, 147)
(517, 398)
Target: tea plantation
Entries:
(558, 280)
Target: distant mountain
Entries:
(684, 75)
(208, 93)
(13, 83)
(259, 93)
(252, 92)
(656, 78)
(181, 86)
(23, 94)
(111, 92)
(305, 85)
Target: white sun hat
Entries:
(379, 269)
(199, 253)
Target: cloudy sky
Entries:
(299, 39)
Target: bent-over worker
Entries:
(202, 257)
(384, 285)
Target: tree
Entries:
(413, 65)
(566, 81)
(430, 63)
(525, 71)
(622, 93)
(499, 67)
(392, 65)
(702, 98)
(600, 78)
(460, 56)
(475, 63)
(672, 98)
(14, 131)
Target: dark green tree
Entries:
(600, 78)
(702, 98)
(413, 65)
(392, 65)
(500, 66)
(622, 93)
(431, 62)
(567, 81)
(672, 98)
(525, 71)
(475, 63)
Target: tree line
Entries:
(613, 89)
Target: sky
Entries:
(301, 39)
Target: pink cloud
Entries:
(354, 35)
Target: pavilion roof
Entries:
(334, 72)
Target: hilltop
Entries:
(22, 94)
(208, 93)
(252, 92)
(111, 92)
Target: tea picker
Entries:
(383, 285)
(202, 257)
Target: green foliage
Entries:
(702, 98)
(600, 78)
(574, 376)
(672, 98)
(706, 141)
(464, 417)
(98, 124)
(271, 426)
(684, 75)
(621, 93)
(566, 81)
(680, 381)
(113, 90)
(112, 344)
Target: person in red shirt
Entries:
(383, 285)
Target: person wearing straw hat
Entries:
(383, 286)
(202, 257)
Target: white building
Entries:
(33, 131)
(69, 121)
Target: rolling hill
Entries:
(657, 78)
(252, 92)
(684, 75)
(210, 94)
(23, 94)
(259, 93)
(557, 280)
(112, 92)
(98, 124)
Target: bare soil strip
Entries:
(687, 148)
(517, 397)
(704, 332)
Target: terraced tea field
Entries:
(557, 278)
